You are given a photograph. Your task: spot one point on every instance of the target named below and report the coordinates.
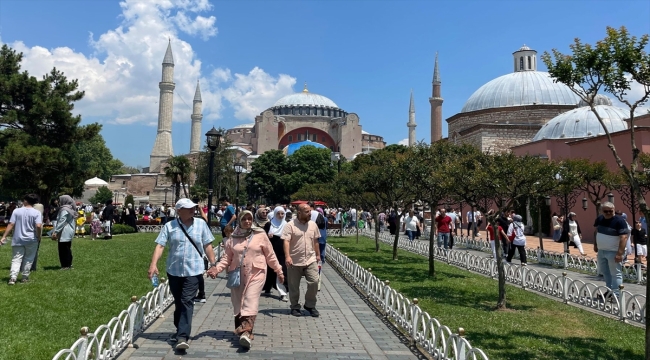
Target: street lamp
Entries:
(213, 139)
(239, 168)
(547, 199)
(584, 203)
(610, 197)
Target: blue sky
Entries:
(364, 55)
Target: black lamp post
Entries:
(584, 203)
(213, 138)
(239, 168)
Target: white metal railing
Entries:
(109, 340)
(628, 307)
(157, 228)
(438, 340)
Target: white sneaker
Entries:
(284, 298)
(245, 341)
(183, 345)
(12, 281)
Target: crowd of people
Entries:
(264, 248)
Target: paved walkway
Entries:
(346, 329)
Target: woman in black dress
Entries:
(274, 230)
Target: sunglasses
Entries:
(608, 211)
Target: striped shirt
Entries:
(609, 232)
(183, 260)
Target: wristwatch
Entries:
(211, 265)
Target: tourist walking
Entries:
(95, 224)
(470, 222)
(490, 234)
(611, 235)
(443, 227)
(228, 217)
(64, 230)
(189, 240)
(571, 232)
(107, 218)
(26, 224)
(274, 229)
(248, 251)
(518, 239)
(640, 237)
(410, 225)
(557, 227)
(301, 252)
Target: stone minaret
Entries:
(436, 105)
(162, 147)
(197, 116)
(411, 124)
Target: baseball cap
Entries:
(185, 203)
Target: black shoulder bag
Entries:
(203, 256)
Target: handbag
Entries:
(205, 260)
(234, 277)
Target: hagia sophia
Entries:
(524, 111)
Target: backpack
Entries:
(320, 221)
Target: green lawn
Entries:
(534, 327)
(40, 318)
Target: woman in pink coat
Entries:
(259, 252)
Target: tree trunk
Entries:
(432, 269)
(177, 187)
(501, 303)
(397, 230)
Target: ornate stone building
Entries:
(511, 109)
(300, 117)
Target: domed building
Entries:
(300, 117)
(511, 109)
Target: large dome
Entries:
(581, 123)
(305, 98)
(520, 88)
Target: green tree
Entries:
(102, 195)
(501, 180)
(95, 158)
(385, 178)
(39, 131)
(129, 200)
(178, 171)
(426, 167)
(125, 169)
(267, 172)
(308, 165)
(613, 65)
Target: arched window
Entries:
(530, 66)
(521, 63)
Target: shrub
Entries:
(122, 229)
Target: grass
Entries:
(534, 327)
(43, 316)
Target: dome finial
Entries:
(305, 88)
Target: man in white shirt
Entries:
(353, 217)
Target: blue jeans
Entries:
(321, 247)
(410, 234)
(443, 239)
(610, 269)
(556, 234)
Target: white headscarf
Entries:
(277, 224)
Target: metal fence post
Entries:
(565, 256)
(523, 277)
(83, 347)
(133, 313)
(539, 255)
(622, 304)
(467, 259)
(639, 273)
(161, 294)
(414, 321)
(462, 352)
(565, 285)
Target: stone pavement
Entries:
(346, 329)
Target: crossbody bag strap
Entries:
(245, 249)
(189, 238)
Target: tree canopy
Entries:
(43, 147)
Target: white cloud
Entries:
(121, 77)
(404, 142)
(252, 93)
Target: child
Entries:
(95, 225)
(81, 221)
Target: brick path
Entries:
(346, 329)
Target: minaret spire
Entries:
(411, 124)
(162, 147)
(436, 104)
(197, 116)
